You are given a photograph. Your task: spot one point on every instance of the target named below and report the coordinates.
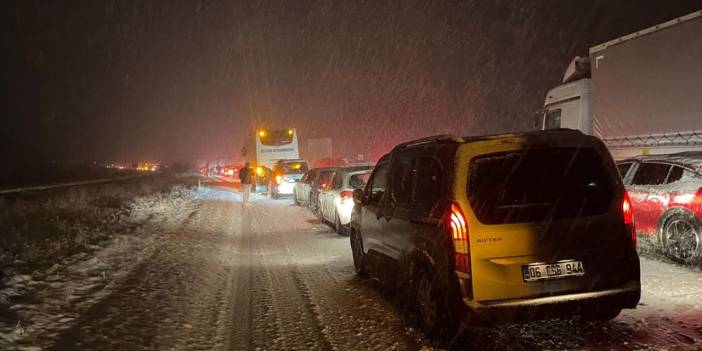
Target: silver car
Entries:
(336, 199)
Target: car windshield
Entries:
(324, 176)
(293, 167)
(358, 181)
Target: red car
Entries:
(666, 197)
(232, 171)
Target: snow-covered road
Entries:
(271, 277)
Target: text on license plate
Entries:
(534, 272)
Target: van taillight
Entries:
(628, 215)
(459, 235)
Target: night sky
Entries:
(168, 80)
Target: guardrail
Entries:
(69, 184)
(693, 137)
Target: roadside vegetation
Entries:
(38, 230)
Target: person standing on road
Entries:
(246, 175)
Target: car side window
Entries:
(427, 191)
(403, 172)
(623, 168)
(651, 174)
(674, 175)
(378, 184)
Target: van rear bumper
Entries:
(626, 295)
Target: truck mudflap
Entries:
(626, 295)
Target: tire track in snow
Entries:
(298, 322)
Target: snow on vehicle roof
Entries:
(536, 135)
(689, 159)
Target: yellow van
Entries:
(509, 227)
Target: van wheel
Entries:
(437, 320)
(682, 238)
(602, 314)
(359, 258)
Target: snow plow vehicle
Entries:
(501, 228)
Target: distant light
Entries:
(290, 132)
(262, 133)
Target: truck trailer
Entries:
(640, 93)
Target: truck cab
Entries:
(567, 106)
(639, 93)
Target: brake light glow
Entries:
(459, 235)
(628, 215)
(696, 202)
(346, 196)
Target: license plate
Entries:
(539, 271)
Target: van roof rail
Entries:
(435, 139)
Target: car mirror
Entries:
(358, 196)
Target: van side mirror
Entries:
(358, 196)
(539, 120)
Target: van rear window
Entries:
(539, 184)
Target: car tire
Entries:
(337, 224)
(275, 195)
(359, 258)
(681, 237)
(338, 227)
(602, 314)
(435, 317)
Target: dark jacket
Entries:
(246, 175)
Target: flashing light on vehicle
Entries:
(278, 179)
(290, 132)
(628, 215)
(259, 171)
(459, 234)
(262, 133)
(297, 166)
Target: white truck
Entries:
(640, 93)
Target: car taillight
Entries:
(346, 196)
(278, 179)
(459, 235)
(628, 215)
(697, 201)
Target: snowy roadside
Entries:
(97, 239)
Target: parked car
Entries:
(285, 174)
(499, 228)
(301, 190)
(307, 190)
(336, 200)
(322, 180)
(232, 171)
(666, 196)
